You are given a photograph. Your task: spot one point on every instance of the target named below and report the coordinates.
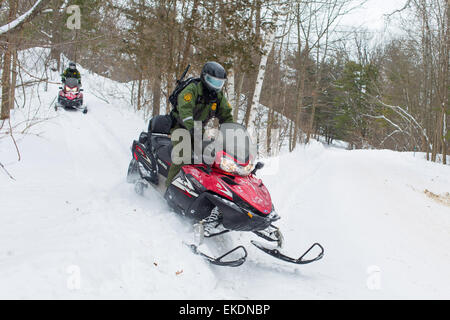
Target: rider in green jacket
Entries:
(71, 72)
(201, 101)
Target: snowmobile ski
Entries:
(220, 260)
(59, 106)
(272, 234)
(275, 252)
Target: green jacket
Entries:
(193, 107)
(68, 73)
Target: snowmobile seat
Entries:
(160, 141)
(163, 147)
(160, 124)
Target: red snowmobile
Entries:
(222, 197)
(71, 96)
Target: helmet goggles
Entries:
(214, 82)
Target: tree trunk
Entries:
(290, 137)
(261, 73)
(13, 80)
(299, 105)
(190, 26)
(257, 12)
(270, 121)
(170, 88)
(230, 88)
(313, 114)
(446, 83)
(444, 141)
(56, 35)
(443, 147)
(139, 93)
(302, 58)
(156, 95)
(435, 147)
(6, 74)
(6, 83)
(238, 97)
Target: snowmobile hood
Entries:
(249, 189)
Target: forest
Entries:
(294, 71)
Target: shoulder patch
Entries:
(229, 105)
(187, 97)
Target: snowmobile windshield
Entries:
(72, 82)
(237, 143)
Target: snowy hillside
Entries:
(382, 216)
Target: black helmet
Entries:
(213, 76)
(72, 65)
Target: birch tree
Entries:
(280, 9)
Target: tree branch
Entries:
(3, 167)
(24, 18)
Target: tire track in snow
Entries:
(125, 145)
(92, 155)
(103, 141)
(70, 147)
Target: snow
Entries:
(11, 25)
(71, 227)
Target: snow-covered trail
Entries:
(71, 208)
(70, 212)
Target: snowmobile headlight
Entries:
(69, 89)
(245, 171)
(228, 165)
